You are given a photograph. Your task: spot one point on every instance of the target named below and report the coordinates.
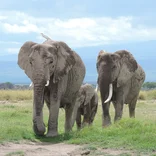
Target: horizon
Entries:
(86, 27)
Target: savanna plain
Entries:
(128, 137)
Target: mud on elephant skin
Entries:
(86, 105)
(57, 73)
(120, 79)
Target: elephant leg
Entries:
(132, 106)
(69, 110)
(86, 116)
(118, 105)
(75, 112)
(53, 120)
(94, 105)
(38, 120)
(53, 114)
(106, 116)
(93, 112)
(78, 119)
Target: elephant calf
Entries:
(86, 103)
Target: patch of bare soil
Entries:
(36, 149)
(60, 149)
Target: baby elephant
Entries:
(87, 102)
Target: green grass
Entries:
(17, 153)
(136, 134)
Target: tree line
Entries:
(9, 85)
(149, 85)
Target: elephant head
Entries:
(114, 69)
(44, 63)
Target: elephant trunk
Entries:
(104, 85)
(38, 124)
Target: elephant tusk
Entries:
(110, 93)
(96, 89)
(31, 85)
(47, 84)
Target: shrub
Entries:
(142, 95)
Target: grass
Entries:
(18, 95)
(17, 153)
(137, 134)
(147, 95)
(15, 95)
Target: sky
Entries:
(86, 26)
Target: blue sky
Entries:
(87, 26)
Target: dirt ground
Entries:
(60, 149)
(37, 149)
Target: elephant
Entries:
(120, 78)
(56, 72)
(86, 105)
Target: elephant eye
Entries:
(30, 62)
(51, 61)
(113, 67)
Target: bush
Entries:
(151, 94)
(142, 95)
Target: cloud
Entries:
(26, 28)
(79, 32)
(12, 50)
(2, 18)
(9, 42)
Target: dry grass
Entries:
(18, 95)
(15, 95)
(147, 95)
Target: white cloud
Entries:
(79, 32)
(9, 42)
(25, 28)
(13, 50)
(3, 17)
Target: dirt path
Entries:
(60, 149)
(37, 149)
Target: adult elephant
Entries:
(120, 78)
(57, 73)
(86, 105)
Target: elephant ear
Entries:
(23, 57)
(65, 60)
(128, 67)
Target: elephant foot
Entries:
(85, 124)
(116, 119)
(52, 134)
(106, 124)
(39, 129)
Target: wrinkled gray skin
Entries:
(120, 69)
(87, 103)
(58, 63)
